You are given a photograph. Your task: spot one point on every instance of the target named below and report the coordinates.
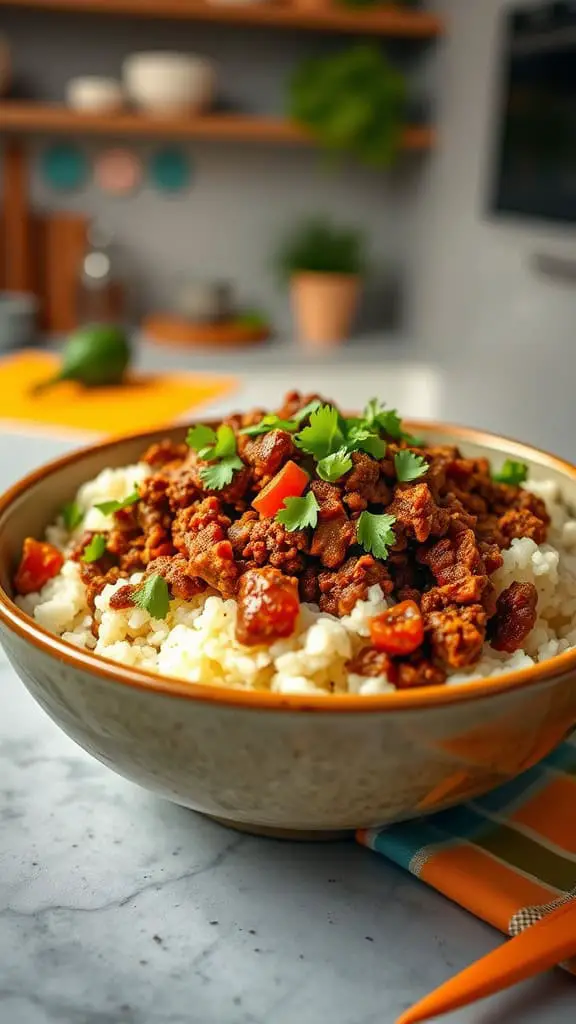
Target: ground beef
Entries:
(340, 590)
(294, 402)
(329, 499)
(96, 580)
(268, 606)
(201, 534)
(417, 513)
(165, 452)
(123, 598)
(267, 454)
(371, 663)
(520, 522)
(176, 571)
(456, 635)
(240, 531)
(457, 566)
(516, 614)
(331, 541)
(269, 543)
(309, 586)
(364, 485)
(417, 671)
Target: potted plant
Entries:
(353, 101)
(323, 264)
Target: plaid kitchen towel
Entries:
(509, 857)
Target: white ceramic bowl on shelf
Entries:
(95, 95)
(169, 84)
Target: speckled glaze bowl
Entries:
(300, 767)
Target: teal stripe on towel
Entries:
(401, 843)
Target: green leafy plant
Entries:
(317, 246)
(353, 101)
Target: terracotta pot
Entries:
(324, 306)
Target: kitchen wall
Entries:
(474, 290)
(244, 196)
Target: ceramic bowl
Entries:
(169, 84)
(298, 766)
(96, 95)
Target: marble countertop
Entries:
(119, 908)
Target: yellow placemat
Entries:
(147, 401)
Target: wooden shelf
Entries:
(389, 20)
(31, 118)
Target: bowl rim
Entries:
(18, 622)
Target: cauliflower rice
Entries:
(197, 641)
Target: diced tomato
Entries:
(398, 631)
(40, 562)
(290, 482)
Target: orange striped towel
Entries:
(508, 857)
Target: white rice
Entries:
(197, 641)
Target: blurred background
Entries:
(342, 195)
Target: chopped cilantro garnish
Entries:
(108, 507)
(409, 466)
(72, 515)
(334, 466)
(375, 533)
(513, 473)
(414, 442)
(153, 596)
(225, 444)
(95, 549)
(299, 513)
(306, 410)
(323, 436)
(274, 422)
(363, 439)
(221, 473)
(200, 437)
(378, 416)
(218, 447)
(271, 422)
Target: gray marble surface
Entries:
(118, 908)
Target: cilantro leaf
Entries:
(271, 422)
(323, 436)
(375, 533)
(200, 437)
(72, 515)
(409, 466)
(108, 507)
(361, 438)
(299, 513)
(306, 410)
(377, 415)
(221, 473)
(274, 422)
(153, 597)
(512, 472)
(225, 443)
(414, 442)
(95, 549)
(334, 466)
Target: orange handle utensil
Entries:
(546, 944)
